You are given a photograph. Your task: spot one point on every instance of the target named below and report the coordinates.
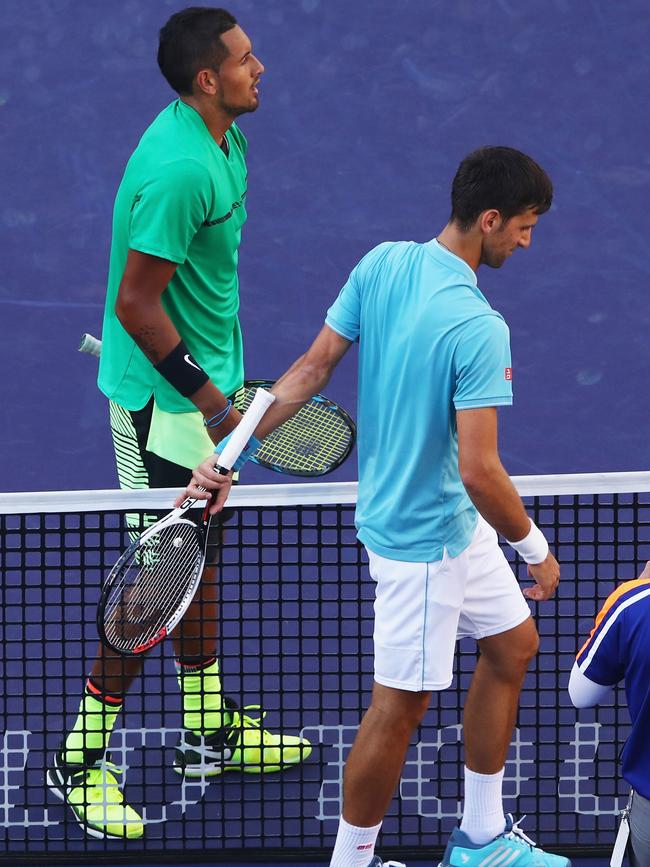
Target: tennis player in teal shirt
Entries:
(447, 344)
(172, 367)
(434, 366)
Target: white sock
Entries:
(354, 847)
(483, 817)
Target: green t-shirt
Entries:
(181, 199)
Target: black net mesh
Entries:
(296, 626)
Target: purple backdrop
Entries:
(367, 109)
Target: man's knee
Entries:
(526, 644)
(512, 651)
(400, 707)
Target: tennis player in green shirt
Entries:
(172, 366)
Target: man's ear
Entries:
(206, 81)
(490, 220)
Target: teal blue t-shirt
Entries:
(429, 344)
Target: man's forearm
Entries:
(292, 391)
(305, 378)
(492, 492)
(149, 326)
(155, 334)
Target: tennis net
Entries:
(296, 627)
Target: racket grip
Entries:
(245, 429)
(90, 345)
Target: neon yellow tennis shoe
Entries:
(241, 745)
(95, 798)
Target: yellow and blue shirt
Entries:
(617, 649)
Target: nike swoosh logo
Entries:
(189, 361)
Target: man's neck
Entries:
(217, 122)
(465, 245)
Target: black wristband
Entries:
(182, 371)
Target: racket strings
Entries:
(152, 586)
(316, 438)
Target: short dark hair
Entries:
(501, 178)
(190, 41)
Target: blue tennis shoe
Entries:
(512, 848)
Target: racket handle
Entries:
(245, 429)
(90, 345)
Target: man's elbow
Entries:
(583, 691)
(472, 481)
(577, 695)
(126, 307)
(314, 372)
(477, 476)
(579, 701)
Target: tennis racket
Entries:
(149, 589)
(315, 441)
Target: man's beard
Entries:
(492, 260)
(236, 110)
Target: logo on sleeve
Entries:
(508, 373)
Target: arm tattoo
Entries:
(146, 340)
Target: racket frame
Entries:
(174, 517)
(233, 448)
(92, 346)
(319, 398)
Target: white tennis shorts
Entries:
(421, 609)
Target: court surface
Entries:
(576, 862)
(296, 622)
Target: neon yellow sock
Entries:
(202, 703)
(92, 728)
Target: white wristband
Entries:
(533, 548)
